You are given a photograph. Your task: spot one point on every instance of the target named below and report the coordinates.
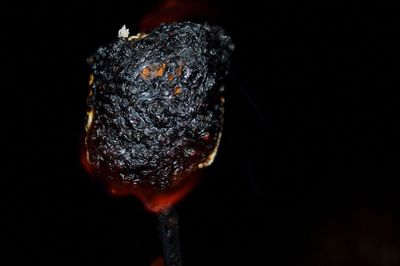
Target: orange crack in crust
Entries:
(161, 70)
(153, 71)
(178, 70)
(177, 90)
(145, 73)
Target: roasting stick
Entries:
(169, 234)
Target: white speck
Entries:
(123, 32)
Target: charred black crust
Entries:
(157, 103)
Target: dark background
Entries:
(307, 168)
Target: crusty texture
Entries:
(156, 103)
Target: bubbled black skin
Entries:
(156, 128)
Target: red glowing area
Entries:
(169, 11)
(153, 199)
(158, 262)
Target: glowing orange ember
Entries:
(145, 73)
(177, 90)
(160, 70)
(153, 71)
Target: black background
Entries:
(307, 168)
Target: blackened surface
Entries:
(157, 103)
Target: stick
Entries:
(170, 237)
